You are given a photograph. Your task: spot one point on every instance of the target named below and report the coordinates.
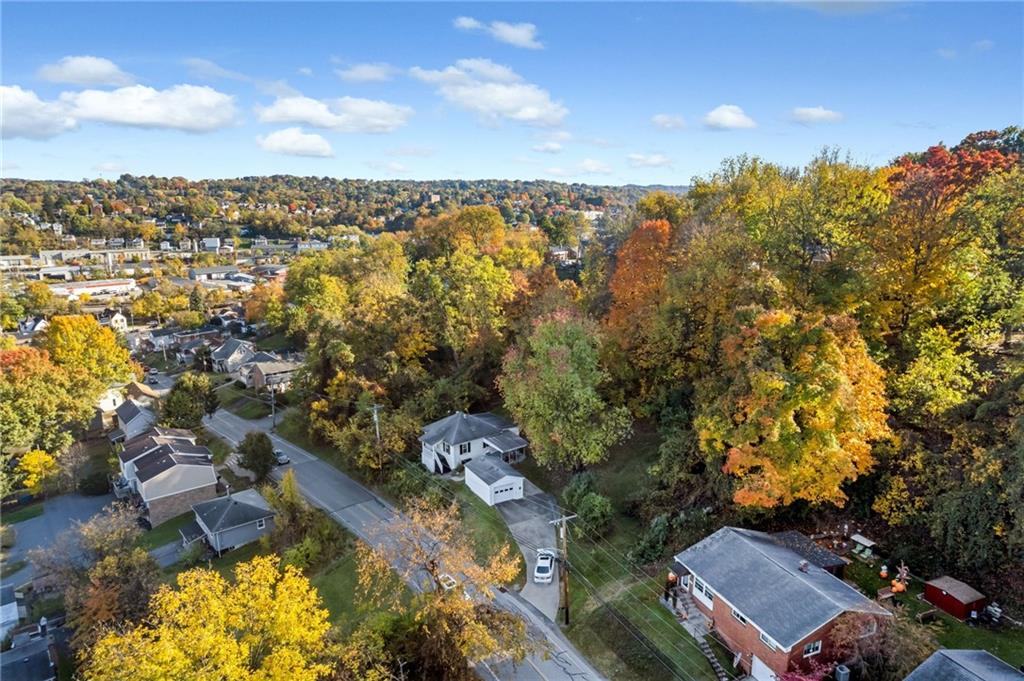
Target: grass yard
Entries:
(1006, 643)
(157, 361)
(337, 587)
(272, 343)
(487, 528)
(221, 449)
(22, 514)
(165, 533)
(243, 403)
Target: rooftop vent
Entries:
(805, 566)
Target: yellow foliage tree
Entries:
(81, 342)
(35, 467)
(267, 625)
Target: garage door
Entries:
(507, 492)
(760, 671)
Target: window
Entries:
(738, 616)
(812, 649)
(447, 448)
(765, 639)
(698, 585)
(261, 523)
(464, 448)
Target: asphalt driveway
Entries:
(529, 520)
(60, 514)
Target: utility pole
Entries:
(563, 564)
(273, 409)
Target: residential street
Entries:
(359, 510)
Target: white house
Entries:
(131, 419)
(493, 480)
(116, 321)
(451, 442)
(211, 244)
(32, 325)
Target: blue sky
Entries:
(602, 93)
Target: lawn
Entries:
(22, 514)
(165, 533)
(337, 587)
(486, 527)
(1006, 643)
(157, 361)
(243, 403)
(272, 343)
(221, 449)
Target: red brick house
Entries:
(771, 606)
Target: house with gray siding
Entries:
(230, 521)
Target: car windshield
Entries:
(543, 567)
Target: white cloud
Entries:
(347, 114)
(493, 91)
(193, 108)
(366, 73)
(85, 70)
(305, 71)
(594, 167)
(809, 115)
(23, 114)
(294, 142)
(728, 117)
(208, 70)
(649, 160)
(467, 23)
(982, 45)
(520, 35)
(668, 121)
(547, 147)
(946, 53)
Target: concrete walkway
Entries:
(529, 520)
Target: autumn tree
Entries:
(267, 624)
(455, 611)
(35, 468)
(266, 303)
(552, 385)
(80, 342)
(793, 409)
(938, 379)
(639, 279)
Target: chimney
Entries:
(805, 566)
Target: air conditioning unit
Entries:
(842, 673)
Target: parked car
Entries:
(545, 568)
(281, 457)
(153, 371)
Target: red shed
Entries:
(958, 599)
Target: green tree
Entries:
(939, 378)
(197, 299)
(187, 401)
(552, 386)
(257, 454)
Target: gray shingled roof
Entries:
(127, 411)
(240, 508)
(155, 437)
(964, 665)
(462, 427)
(491, 469)
(228, 348)
(763, 580)
(167, 457)
(803, 545)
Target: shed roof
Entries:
(491, 469)
(964, 665)
(506, 441)
(965, 593)
(764, 581)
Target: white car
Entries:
(545, 568)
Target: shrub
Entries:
(595, 513)
(240, 385)
(579, 486)
(651, 545)
(94, 484)
(257, 454)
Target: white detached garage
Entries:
(493, 480)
